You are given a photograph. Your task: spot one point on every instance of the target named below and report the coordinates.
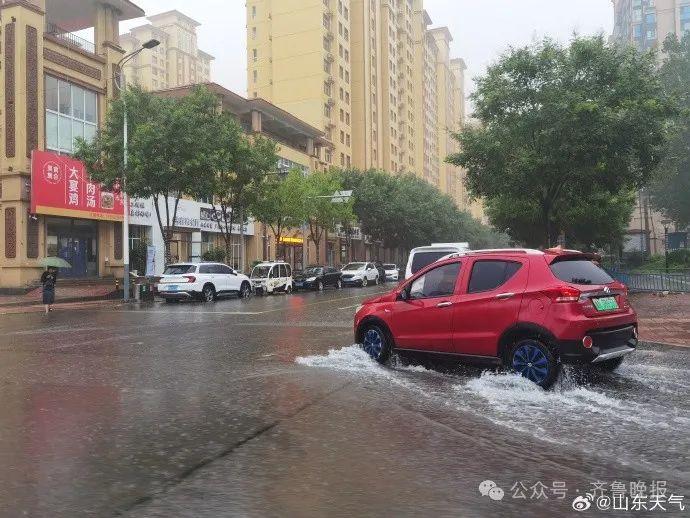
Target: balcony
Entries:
(70, 38)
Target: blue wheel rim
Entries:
(373, 343)
(530, 361)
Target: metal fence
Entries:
(70, 38)
(656, 281)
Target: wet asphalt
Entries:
(263, 407)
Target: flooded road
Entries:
(265, 408)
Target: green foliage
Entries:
(281, 203)
(171, 147)
(240, 163)
(214, 255)
(322, 212)
(671, 188)
(405, 212)
(566, 134)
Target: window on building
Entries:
(348, 161)
(327, 88)
(342, 137)
(342, 115)
(326, 66)
(347, 77)
(347, 140)
(253, 32)
(327, 22)
(255, 55)
(327, 43)
(71, 112)
(346, 35)
(327, 110)
(342, 94)
(347, 56)
(255, 75)
(651, 34)
(342, 159)
(347, 119)
(347, 97)
(253, 11)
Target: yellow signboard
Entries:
(292, 240)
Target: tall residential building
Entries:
(646, 24)
(177, 61)
(370, 73)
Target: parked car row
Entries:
(207, 281)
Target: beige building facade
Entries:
(646, 24)
(177, 61)
(371, 74)
(56, 86)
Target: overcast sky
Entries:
(482, 29)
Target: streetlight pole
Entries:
(120, 84)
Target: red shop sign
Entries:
(60, 186)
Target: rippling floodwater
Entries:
(638, 416)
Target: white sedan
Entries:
(202, 281)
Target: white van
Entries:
(425, 255)
(269, 277)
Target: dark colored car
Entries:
(317, 278)
(381, 270)
(527, 310)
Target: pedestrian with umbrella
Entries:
(49, 279)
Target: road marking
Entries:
(350, 307)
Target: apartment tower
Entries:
(370, 73)
(646, 24)
(177, 61)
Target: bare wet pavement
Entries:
(264, 408)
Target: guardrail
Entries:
(654, 281)
(70, 38)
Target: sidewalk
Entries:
(663, 319)
(63, 294)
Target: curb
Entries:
(67, 300)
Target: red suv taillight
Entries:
(190, 278)
(563, 294)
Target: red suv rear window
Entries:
(579, 271)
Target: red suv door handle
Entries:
(444, 304)
(504, 296)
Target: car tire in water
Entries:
(534, 360)
(609, 365)
(288, 289)
(245, 291)
(376, 343)
(365, 281)
(208, 293)
(319, 286)
(339, 284)
(376, 280)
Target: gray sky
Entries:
(482, 29)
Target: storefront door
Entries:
(75, 241)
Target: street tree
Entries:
(169, 147)
(324, 212)
(404, 211)
(281, 203)
(671, 188)
(560, 129)
(240, 163)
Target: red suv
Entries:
(525, 309)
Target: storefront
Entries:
(196, 230)
(82, 221)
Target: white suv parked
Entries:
(269, 277)
(360, 273)
(204, 281)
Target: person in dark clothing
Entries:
(48, 280)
